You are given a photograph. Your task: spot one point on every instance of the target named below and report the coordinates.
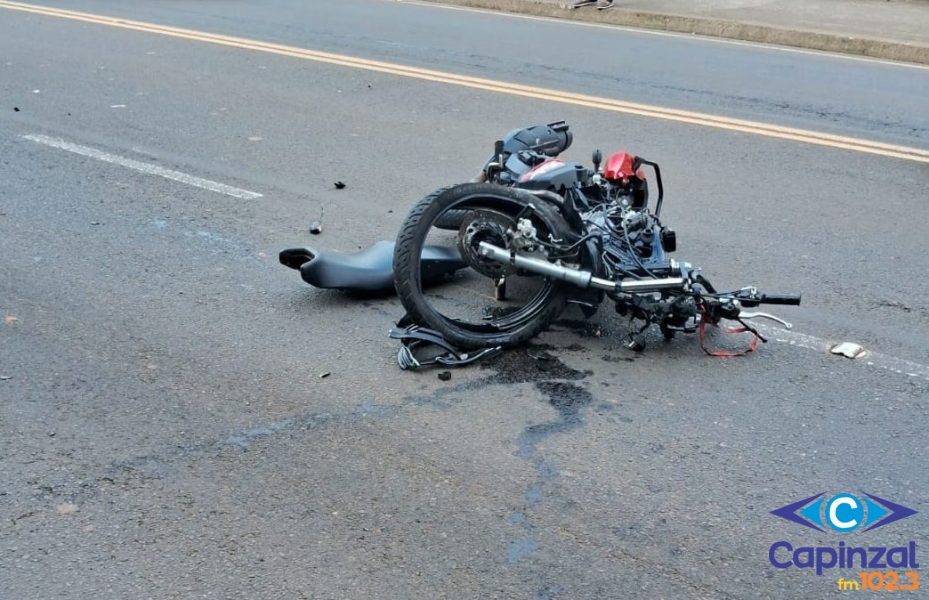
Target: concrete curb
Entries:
(812, 40)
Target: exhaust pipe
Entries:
(583, 279)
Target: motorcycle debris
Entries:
(445, 375)
(634, 344)
(324, 375)
(316, 227)
(339, 185)
(848, 350)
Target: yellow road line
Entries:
(661, 33)
(490, 85)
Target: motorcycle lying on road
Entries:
(538, 233)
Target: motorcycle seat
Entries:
(368, 270)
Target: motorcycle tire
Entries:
(429, 213)
(451, 220)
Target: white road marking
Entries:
(142, 167)
(674, 34)
(877, 360)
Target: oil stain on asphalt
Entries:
(560, 386)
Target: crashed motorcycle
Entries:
(535, 233)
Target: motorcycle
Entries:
(535, 233)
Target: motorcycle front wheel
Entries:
(485, 304)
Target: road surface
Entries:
(165, 427)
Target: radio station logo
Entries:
(843, 512)
(846, 513)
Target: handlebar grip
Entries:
(791, 299)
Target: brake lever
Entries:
(764, 315)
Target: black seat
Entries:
(369, 270)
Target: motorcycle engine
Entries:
(633, 241)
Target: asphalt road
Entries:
(785, 86)
(164, 429)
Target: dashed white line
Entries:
(142, 167)
(878, 360)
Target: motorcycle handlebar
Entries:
(789, 299)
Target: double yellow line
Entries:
(490, 85)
